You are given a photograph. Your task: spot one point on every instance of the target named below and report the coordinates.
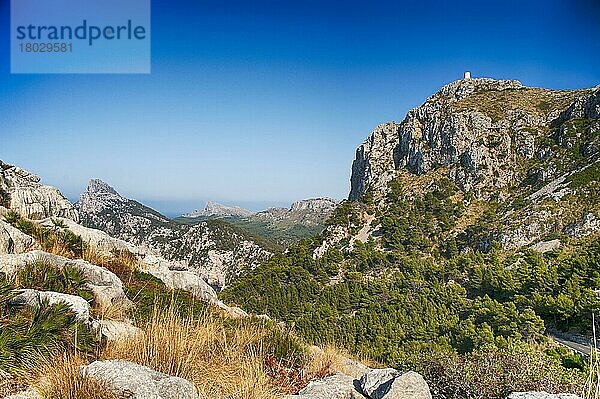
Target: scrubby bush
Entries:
(42, 276)
(30, 334)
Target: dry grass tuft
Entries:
(120, 262)
(94, 255)
(119, 311)
(60, 379)
(223, 362)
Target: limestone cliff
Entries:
(22, 192)
(532, 154)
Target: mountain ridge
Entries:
(216, 250)
(214, 209)
(471, 227)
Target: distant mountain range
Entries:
(214, 209)
(281, 225)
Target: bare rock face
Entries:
(391, 384)
(14, 241)
(533, 153)
(479, 146)
(22, 192)
(337, 386)
(185, 280)
(375, 384)
(131, 380)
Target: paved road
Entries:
(577, 347)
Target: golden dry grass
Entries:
(121, 261)
(60, 378)
(222, 362)
(591, 388)
(119, 311)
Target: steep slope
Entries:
(529, 153)
(214, 249)
(83, 314)
(471, 227)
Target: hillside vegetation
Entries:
(471, 233)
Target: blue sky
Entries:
(263, 102)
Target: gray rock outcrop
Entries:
(13, 241)
(337, 386)
(478, 148)
(133, 381)
(391, 384)
(113, 330)
(374, 384)
(22, 192)
(104, 284)
(185, 280)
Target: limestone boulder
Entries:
(391, 384)
(337, 386)
(13, 241)
(113, 330)
(133, 381)
(105, 285)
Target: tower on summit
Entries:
(467, 75)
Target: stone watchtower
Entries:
(467, 75)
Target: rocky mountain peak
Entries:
(97, 186)
(460, 89)
(478, 130)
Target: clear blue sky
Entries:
(264, 102)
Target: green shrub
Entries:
(68, 280)
(491, 372)
(30, 334)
